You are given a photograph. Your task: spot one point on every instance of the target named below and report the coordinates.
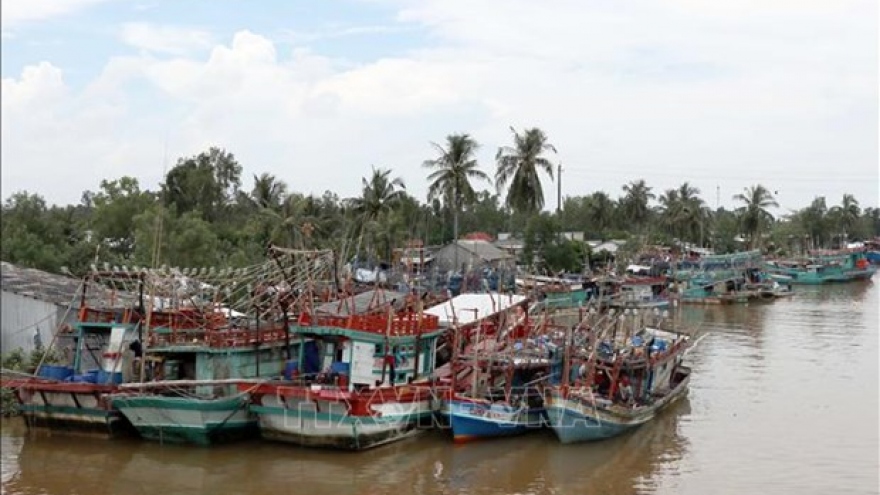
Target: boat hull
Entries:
(471, 421)
(73, 408)
(330, 425)
(576, 419)
(190, 421)
(565, 300)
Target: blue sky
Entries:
(723, 95)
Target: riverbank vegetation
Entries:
(19, 361)
(214, 216)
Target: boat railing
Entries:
(183, 319)
(217, 337)
(408, 324)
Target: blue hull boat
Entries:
(476, 419)
(576, 415)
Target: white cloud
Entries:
(17, 11)
(342, 31)
(172, 40)
(669, 91)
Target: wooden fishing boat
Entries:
(555, 292)
(465, 317)
(356, 382)
(621, 380)
(191, 394)
(641, 293)
(210, 337)
(73, 397)
(509, 409)
(492, 385)
(196, 352)
(822, 269)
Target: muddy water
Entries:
(784, 399)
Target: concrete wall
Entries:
(22, 316)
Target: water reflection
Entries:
(427, 465)
(57, 465)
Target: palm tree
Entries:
(454, 167)
(600, 210)
(268, 191)
(684, 212)
(634, 204)
(519, 165)
(754, 216)
(848, 213)
(381, 194)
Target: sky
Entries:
(723, 95)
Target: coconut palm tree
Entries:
(520, 166)
(847, 213)
(684, 213)
(381, 194)
(754, 217)
(600, 210)
(634, 204)
(268, 191)
(454, 168)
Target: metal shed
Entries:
(33, 305)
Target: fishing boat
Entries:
(490, 408)
(640, 292)
(555, 292)
(206, 334)
(468, 319)
(503, 395)
(618, 374)
(359, 380)
(491, 387)
(872, 251)
(717, 279)
(191, 392)
(74, 396)
(822, 269)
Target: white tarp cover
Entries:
(486, 304)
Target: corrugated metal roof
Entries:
(45, 286)
(484, 250)
(363, 302)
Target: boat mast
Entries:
(416, 346)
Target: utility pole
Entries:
(559, 189)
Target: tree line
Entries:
(205, 213)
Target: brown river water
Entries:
(783, 400)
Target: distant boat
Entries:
(555, 292)
(641, 293)
(822, 269)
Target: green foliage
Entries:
(19, 361)
(116, 205)
(206, 183)
(566, 255)
(203, 216)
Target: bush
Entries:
(20, 361)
